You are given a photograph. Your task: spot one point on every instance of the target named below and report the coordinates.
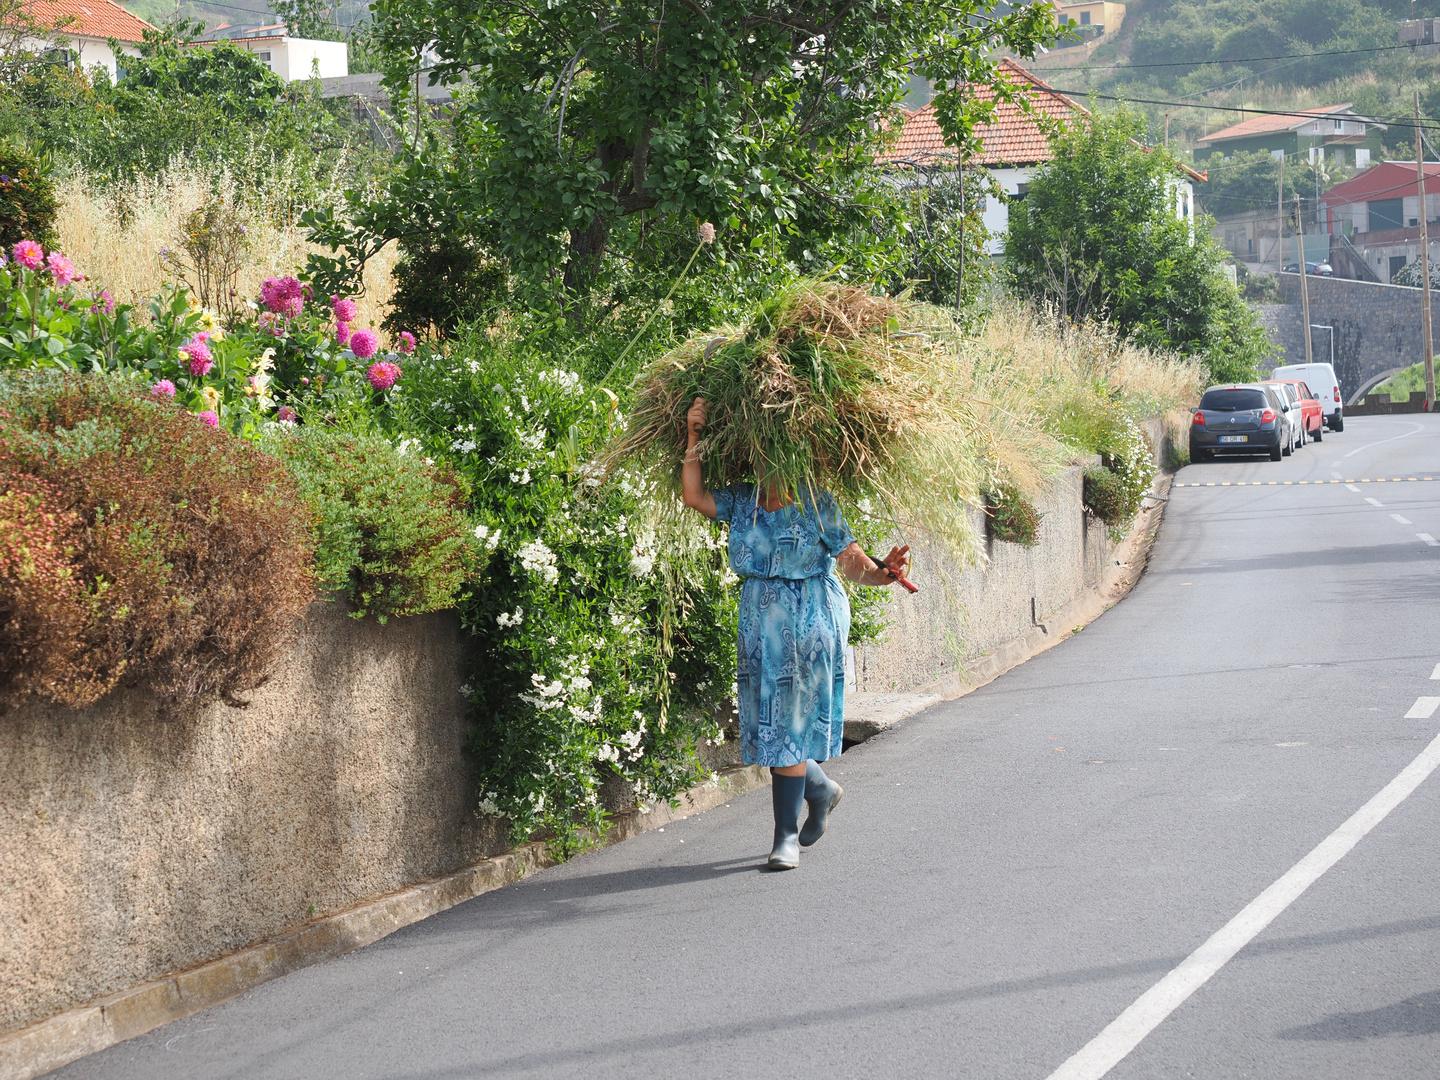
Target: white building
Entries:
(291, 58)
(1013, 149)
(83, 29)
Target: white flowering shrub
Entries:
(592, 655)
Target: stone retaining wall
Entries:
(1376, 327)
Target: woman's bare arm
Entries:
(695, 495)
(861, 569)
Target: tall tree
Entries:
(585, 125)
(1098, 236)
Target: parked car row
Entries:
(1275, 416)
(1321, 269)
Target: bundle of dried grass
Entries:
(827, 387)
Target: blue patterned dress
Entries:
(794, 623)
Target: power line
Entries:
(1308, 115)
(1236, 60)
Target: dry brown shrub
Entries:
(170, 553)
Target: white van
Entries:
(1323, 384)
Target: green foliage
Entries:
(932, 233)
(1098, 236)
(586, 129)
(1013, 518)
(1247, 180)
(392, 531)
(1403, 383)
(598, 649)
(313, 19)
(28, 204)
(207, 104)
(137, 544)
(441, 286)
(1115, 488)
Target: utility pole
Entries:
(1424, 264)
(1304, 280)
(1280, 219)
(960, 177)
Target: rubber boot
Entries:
(788, 793)
(822, 795)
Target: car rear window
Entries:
(1233, 400)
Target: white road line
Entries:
(1423, 708)
(1436, 673)
(1377, 502)
(1106, 1050)
(1336, 474)
(1429, 540)
(1353, 487)
(1382, 442)
(1397, 517)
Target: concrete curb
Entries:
(48, 1045)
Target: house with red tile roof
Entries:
(84, 29)
(1379, 213)
(288, 57)
(1013, 147)
(1330, 131)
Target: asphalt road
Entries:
(1008, 872)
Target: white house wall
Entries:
(89, 52)
(996, 214)
(297, 58)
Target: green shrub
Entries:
(138, 544)
(1013, 518)
(392, 531)
(28, 203)
(1105, 496)
(441, 286)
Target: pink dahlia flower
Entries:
(363, 344)
(277, 293)
(407, 342)
(382, 375)
(344, 309)
(163, 388)
(342, 333)
(286, 414)
(271, 323)
(209, 417)
(200, 359)
(61, 268)
(102, 301)
(291, 307)
(28, 254)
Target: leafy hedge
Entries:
(137, 544)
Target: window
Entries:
(1397, 263)
(1232, 400)
(1386, 214)
(1084, 18)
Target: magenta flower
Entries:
(271, 323)
(276, 293)
(61, 268)
(103, 301)
(210, 418)
(199, 355)
(344, 309)
(163, 388)
(28, 254)
(287, 415)
(382, 375)
(342, 333)
(407, 342)
(363, 344)
(291, 307)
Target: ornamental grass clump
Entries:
(826, 387)
(140, 546)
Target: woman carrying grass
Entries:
(794, 623)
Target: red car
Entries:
(1313, 413)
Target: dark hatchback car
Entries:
(1238, 420)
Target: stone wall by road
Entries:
(1377, 327)
(936, 631)
(134, 843)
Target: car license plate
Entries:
(1234, 438)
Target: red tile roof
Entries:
(1267, 125)
(1388, 180)
(89, 18)
(1013, 139)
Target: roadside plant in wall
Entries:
(595, 658)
